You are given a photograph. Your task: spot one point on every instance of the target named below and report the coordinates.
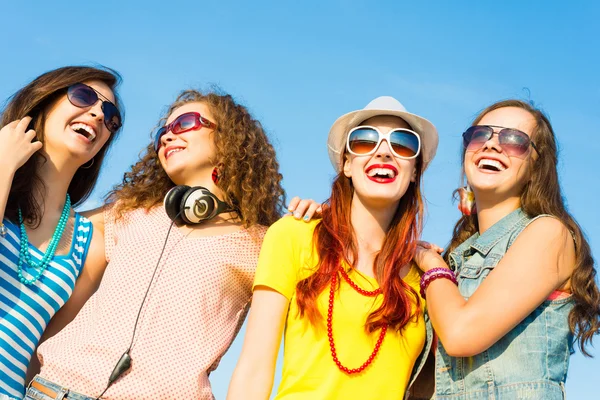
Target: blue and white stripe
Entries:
(26, 310)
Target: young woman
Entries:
(526, 278)
(172, 300)
(55, 133)
(343, 288)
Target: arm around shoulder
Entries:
(540, 261)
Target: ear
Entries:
(347, 167)
(413, 178)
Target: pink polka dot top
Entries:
(194, 309)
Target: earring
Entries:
(215, 175)
(466, 204)
(85, 166)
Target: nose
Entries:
(167, 137)
(493, 143)
(96, 111)
(384, 151)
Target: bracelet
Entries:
(3, 230)
(434, 274)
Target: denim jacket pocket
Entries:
(473, 272)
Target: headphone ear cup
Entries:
(198, 204)
(173, 202)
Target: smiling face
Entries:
(490, 171)
(188, 157)
(73, 134)
(380, 179)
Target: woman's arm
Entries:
(86, 285)
(540, 261)
(253, 375)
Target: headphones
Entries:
(192, 205)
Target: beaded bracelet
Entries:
(3, 230)
(434, 274)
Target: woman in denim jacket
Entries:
(525, 274)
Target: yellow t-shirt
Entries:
(309, 371)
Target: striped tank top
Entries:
(25, 310)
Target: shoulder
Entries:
(290, 227)
(550, 229)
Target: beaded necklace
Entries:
(330, 320)
(25, 257)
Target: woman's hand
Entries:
(16, 146)
(428, 256)
(305, 209)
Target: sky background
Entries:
(300, 65)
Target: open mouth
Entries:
(172, 151)
(84, 130)
(382, 173)
(490, 165)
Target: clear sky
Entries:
(300, 65)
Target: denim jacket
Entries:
(530, 361)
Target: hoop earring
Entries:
(87, 166)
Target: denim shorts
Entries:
(62, 392)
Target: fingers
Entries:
(293, 204)
(305, 209)
(23, 124)
(312, 209)
(430, 246)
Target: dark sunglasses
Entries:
(185, 122)
(514, 142)
(83, 96)
(364, 141)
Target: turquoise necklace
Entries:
(25, 257)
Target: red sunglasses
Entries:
(189, 121)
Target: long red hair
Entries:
(334, 241)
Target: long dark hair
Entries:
(335, 241)
(542, 195)
(35, 100)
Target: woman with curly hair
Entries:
(343, 290)
(55, 132)
(170, 305)
(524, 270)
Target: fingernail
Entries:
(306, 218)
(297, 216)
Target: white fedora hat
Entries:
(384, 105)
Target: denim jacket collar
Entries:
(484, 243)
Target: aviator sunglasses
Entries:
(364, 141)
(83, 96)
(185, 122)
(513, 142)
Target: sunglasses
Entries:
(185, 122)
(513, 142)
(364, 141)
(83, 96)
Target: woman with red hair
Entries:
(343, 288)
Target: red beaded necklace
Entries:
(330, 319)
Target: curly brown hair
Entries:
(36, 99)
(248, 169)
(542, 195)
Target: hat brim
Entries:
(336, 142)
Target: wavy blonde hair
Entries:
(248, 169)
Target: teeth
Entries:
(381, 172)
(90, 131)
(172, 151)
(491, 163)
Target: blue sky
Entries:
(300, 65)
